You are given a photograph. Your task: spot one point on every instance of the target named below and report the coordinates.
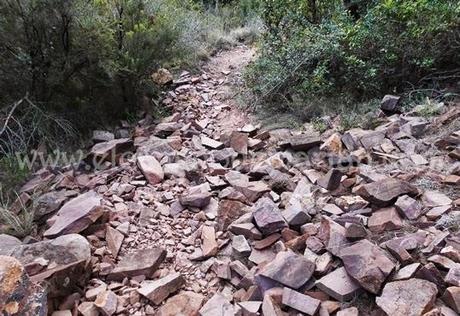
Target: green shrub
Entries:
(325, 51)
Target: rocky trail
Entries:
(206, 213)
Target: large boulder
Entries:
(368, 264)
(76, 215)
(151, 169)
(184, 303)
(18, 295)
(411, 297)
(53, 261)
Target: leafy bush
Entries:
(92, 59)
(322, 50)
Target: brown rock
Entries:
(162, 77)
(331, 180)
(76, 215)
(409, 207)
(267, 217)
(368, 264)
(209, 244)
(198, 200)
(158, 290)
(107, 303)
(332, 235)
(453, 276)
(434, 199)
(270, 307)
(385, 192)
(218, 305)
(385, 219)
(211, 143)
(350, 311)
(287, 268)
(302, 303)
(228, 212)
(407, 298)
(333, 144)
(7, 244)
(301, 142)
(141, 262)
(339, 285)
(390, 103)
(114, 240)
(18, 295)
(452, 298)
(184, 303)
(355, 231)
(88, 309)
(239, 142)
(151, 169)
(109, 151)
(54, 260)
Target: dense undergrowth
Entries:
(323, 57)
(70, 66)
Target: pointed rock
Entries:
(107, 303)
(151, 169)
(385, 219)
(267, 217)
(114, 240)
(76, 215)
(368, 264)
(158, 290)
(339, 285)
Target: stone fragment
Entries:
(390, 103)
(102, 136)
(411, 297)
(411, 208)
(158, 290)
(367, 263)
(107, 303)
(301, 142)
(7, 244)
(211, 143)
(331, 180)
(453, 276)
(385, 192)
(141, 262)
(289, 269)
(435, 199)
(270, 307)
(301, 201)
(303, 303)
(267, 217)
(339, 285)
(114, 240)
(162, 77)
(228, 212)
(151, 169)
(355, 231)
(76, 215)
(333, 144)
(350, 311)
(54, 260)
(209, 244)
(88, 309)
(184, 303)
(218, 305)
(332, 235)
(407, 272)
(18, 295)
(452, 298)
(108, 151)
(250, 308)
(239, 142)
(385, 219)
(198, 200)
(241, 245)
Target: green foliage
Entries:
(324, 50)
(20, 223)
(11, 173)
(92, 59)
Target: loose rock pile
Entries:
(207, 220)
